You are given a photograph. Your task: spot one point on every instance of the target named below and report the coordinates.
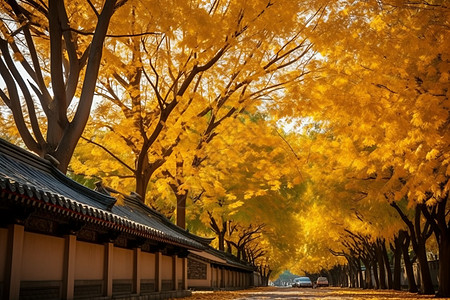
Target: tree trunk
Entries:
(181, 210)
(346, 277)
(437, 217)
(397, 249)
(336, 275)
(408, 263)
(360, 276)
(368, 283)
(375, 273)
(444, 266)
(265, 274)
(382, 271)
(221, 237)
(353, 272)
(229, 247)
(142, 175)
(62, 135)
(426, 282)
(141, 186)
(343, 279)
(419, 237)
(73, 132)
(220, 232)
(387, 264)
(356, 272)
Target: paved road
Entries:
(307, 293)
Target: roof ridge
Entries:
(31, 159)
(136, 203)
(36, 182)
(19, 153)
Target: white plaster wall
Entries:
(3, 251)
(122, 263)
(167, 268)
(89, 261)
(42, 257)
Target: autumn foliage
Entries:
(302, 134)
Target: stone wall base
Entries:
(155, 295)
(208, 288)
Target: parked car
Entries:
(322, 281)
(295, 282)
(303, 282)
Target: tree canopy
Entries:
(302, 134)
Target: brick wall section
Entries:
(196, 269)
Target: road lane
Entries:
(284, 293)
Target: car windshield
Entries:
(304, 279)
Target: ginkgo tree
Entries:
(340, 217)
(248, 178)
(51, 54)
(382, 84)
(179, 83)
(169, 92)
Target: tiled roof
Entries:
(221, 258)
(230, 259)
(31, 180)
(143, 214)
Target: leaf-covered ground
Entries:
(295, 293)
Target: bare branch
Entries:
(116, 35)
(93, 8)
(110, 153)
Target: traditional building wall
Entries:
(89, 261)
(226, 278)
(42, 268)
(42, 258)
(3, 251)
(217, 277)
(89, 269)
(167, 270)
(179, 272)
(199, 273)
(208, 270)
(213, 277)
(148, 272)
(122, 271)
(147, 265)
(167, 276)
(123, 263)
(61, 240)
(257, 281)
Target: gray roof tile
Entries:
(32, 178)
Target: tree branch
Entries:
(110, 153)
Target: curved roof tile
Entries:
(27, 176)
